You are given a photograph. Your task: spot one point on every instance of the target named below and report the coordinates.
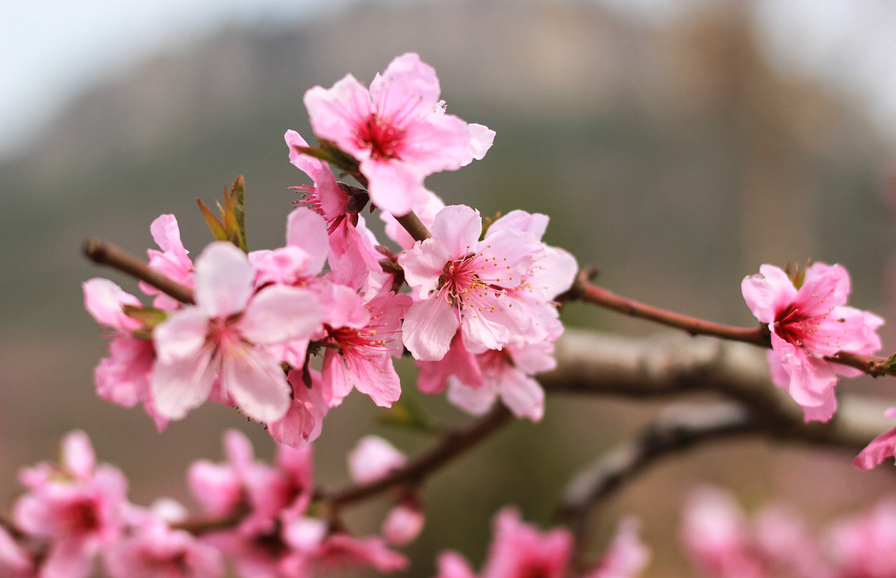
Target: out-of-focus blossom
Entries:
(372, 458)
(75, 505)
(626, 557)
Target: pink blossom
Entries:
(462, 282)
(403, 523)
(303, 421)
(76, 505)
(880, 448)
(518, 550)
(157, 551)
(353, 256)
(15, 561)
(172, 261)
(223, 338)
(808, 323)
(552, 272)
(477, 380)
(372, 458)
(320, 553)
(723, 543)
(360, 341)
(398, 130)
(864, 546)
(626, 557)
(506, 374)
(124, 376)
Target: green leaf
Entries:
(147, 316)
(216, 226)
(407, 413)
(232, 224)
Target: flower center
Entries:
(381, 136)
(794, 327)
(461, 283)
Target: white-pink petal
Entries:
(256, 381)
(280, 313)
(223, 279)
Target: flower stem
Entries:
(583, 290)
(105, 253)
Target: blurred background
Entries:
(677, 145)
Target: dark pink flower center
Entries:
(461, 283)
(81, 517)
(382, 137)
(794, 327)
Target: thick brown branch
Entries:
(454, 444)
(104, 253)
(679, 428)
(667, 365)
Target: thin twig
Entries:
(583, 290)
(105, 253)
(414, 226)
(454, 444)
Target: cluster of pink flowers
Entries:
(479, 314)
(258, 518)
(723, 543)
(519, 549)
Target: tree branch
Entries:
(677, 429)
(454, 444)
(105, 253)
(583, 290)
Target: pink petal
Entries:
(428, 329)
(279, 313)
(882, 447)
(476, 401)
(768, 293)
(406, 77)
(453, 565)
(257, 383)
(521, 394)
(372, 458)
(534, 223)
(457, 228)
(223, 279)
(393, 185)
(308, 230)
(181, 336)
(78, 455)
(182, 384)
(166, 234)
(104, 300)
(375, 376)
(481, 141)
(335, 113)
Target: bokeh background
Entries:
(677, 145)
